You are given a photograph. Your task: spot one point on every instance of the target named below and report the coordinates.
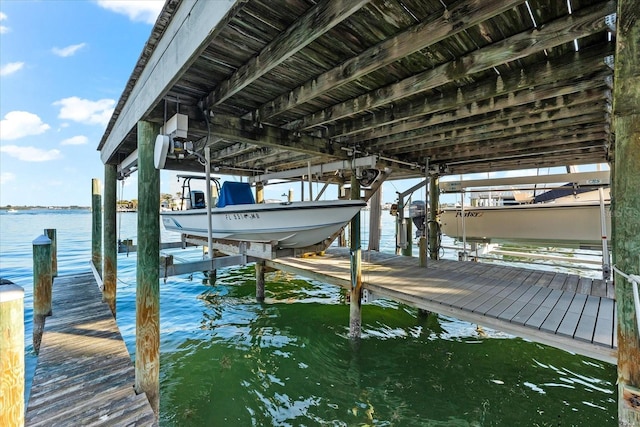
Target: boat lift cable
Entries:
(634, 280)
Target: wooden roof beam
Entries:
(522, 104)
(581, 23)
(571, 69)
(460, 17)
(320, 19)
(246, 131)
(529, 162)
(547, 144)
(488, 125)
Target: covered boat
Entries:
(285, 224)
(566, 220)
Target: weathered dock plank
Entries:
(84, 374)
(558, 309)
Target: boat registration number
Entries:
(238, 216)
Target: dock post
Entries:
(434, 232)
(260, 267)
(147, 364)
(355, 301)
(110, 261)
(375, 213)
(259, 192)
(11, 354)
(51, 234)
(96, 225)
(42, 284)
(408, 229)
(342, 241)
(626, 205)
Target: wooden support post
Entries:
(147, 365)
(375, 214)
(260, 267)
(422, 249)
(110, 267)
(434, 230)
(259, 192)
(11, 355)
(626, 205)
(51, 234)
(408, 249)
(355, 300)
(96, 225)
(342, 241)
(42, 284)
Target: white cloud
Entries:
(137, 10)
(6, 177)
(11, 68)
(86, 111)
(30, 154)
(68, 51)
(18, 124)
(75, 140)
(3, 29)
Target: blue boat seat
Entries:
(235, 193)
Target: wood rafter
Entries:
(580, 24)
(245, 131)
(323, 17)
(495, 121)
(460, 17)
(549, 74)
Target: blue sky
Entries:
(63, 66)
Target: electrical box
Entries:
(177, 126)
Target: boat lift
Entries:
(579, 179)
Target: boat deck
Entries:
(84, 374)
(566, 311)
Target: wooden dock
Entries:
(84, 374)
(566, 311)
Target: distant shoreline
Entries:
(26, 208)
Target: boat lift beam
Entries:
(362, 162)
(128, 166)
(169, 268)
(599, 178)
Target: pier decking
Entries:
(84, 374)
(566, 311)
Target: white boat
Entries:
(566, 221)
(286, 224)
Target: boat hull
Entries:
(288, 225)
(575, 225)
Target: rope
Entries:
(634, 280)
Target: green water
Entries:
(229, 361)
(288, 362)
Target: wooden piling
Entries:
(259, 192)
(110, 261)
(260, 268)
(11, 355)
(626, 205)
(51, 234)
(375, 212)
(408, 249)
(147, 272)
(42, 284)
(355, 300)
(342, 241)
(434, 202)
(96, 225)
